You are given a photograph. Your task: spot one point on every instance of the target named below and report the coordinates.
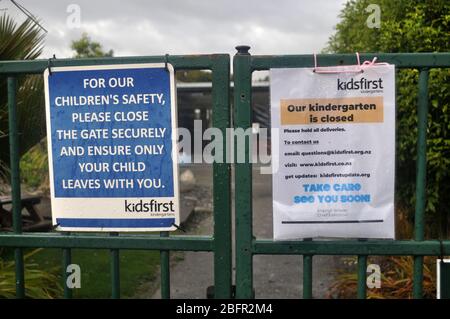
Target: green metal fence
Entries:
(247, 246)
(219, 243)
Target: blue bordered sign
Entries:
(111, 133)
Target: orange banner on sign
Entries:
(336, 110)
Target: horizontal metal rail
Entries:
(51, 240)
(401, 60)
(352, 247)
(185, 62)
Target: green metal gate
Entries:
(219, 243)
(247, 246)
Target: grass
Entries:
(136, 267)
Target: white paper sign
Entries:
(336, 142)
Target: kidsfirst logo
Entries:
(150, 206)
(362, 84)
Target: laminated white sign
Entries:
(336, 142)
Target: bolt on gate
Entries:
(219, 243)
(244, 65)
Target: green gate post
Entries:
(67, 260)
(421, 175)
(362, 276)
(165, 270)
(243, 174)
(15, 183)
(222, 179)
(307, 276)
(115, 270)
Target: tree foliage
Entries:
(410, 26)
(21, 42)
(86, 48)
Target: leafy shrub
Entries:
(39, 284)
(410, 26)
(34, 167)
(397, 275)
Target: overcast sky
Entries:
(157, 27)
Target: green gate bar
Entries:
(15, 182)
(307, 276)
(362, 277)
(67, 260)
(165, 273)
(247, 246)
(115, 271)
(222, 181)
(421, 175)
(243, 175)
(219, 243)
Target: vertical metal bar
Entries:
(421, 175)
(67, 260)
(418, 277)
(307, 276)
(362, 277)
(115, 272)
(243, 174)
(165, 270)
(222, 181)
(20, 276)
(15, 183)
(14, 155)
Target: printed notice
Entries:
(112, 153)
(336, 157)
